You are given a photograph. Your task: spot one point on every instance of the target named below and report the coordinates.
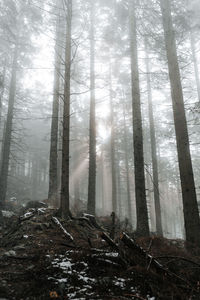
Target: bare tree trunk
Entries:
(34, 178)
(194, 57)
(127, 168)
(190, 207)
(76, 164)
(153, 149)
(64, 205)
(53, 161)
(2, 88)
(92, 132)
(140, 193)
(119, 200)
(8, 132)
(112, 144)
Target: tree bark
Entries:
(53, 161)
(91, 205)
(112, 144)
(8, 132)
(140, 193)
(64, 204)
(127, 168)
(190, 207)
(153, 149)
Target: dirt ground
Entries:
(45, 257)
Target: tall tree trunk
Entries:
(140, 193)
(153, 149)
(190, 207)
(127, 168)
(8, 132)
(112, 144)
(2, 89)
(64, 204)
(194, 58)
(34, 178)
(92, 131)
(53, 161)
(119, 200)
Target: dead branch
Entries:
(179, 258)
(109, 241)
(57, 222)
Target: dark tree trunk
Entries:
(92, 131)
(190, 207)
(64, 205)
(8, 132)
(53, 161)
(112, 144)
(140, 193)
(153, 149)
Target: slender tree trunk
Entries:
(92, 131)
(2, 89)
(64, 205)
(127, 168)
(112, 144)
(8, 132)
(34, 178)
(76, 164)
(140, 193)
(119, 200)
(194, 57)
(53, 161)
(190, 207)
(153, 149)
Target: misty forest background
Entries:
(77, 79)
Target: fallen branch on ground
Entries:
(57, 222)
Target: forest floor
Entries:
(45, 257)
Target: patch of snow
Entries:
(120, 282)
(10, 253)
(88, 215)
(7, 214)
(112, 254)
(83, 263)
(28, 214)
(41, 210)
(62, 280)
(65, 265)
(70, 296)
(86, 279)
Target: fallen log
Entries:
(57, 222)
(178, 258)
(129, 242)
(113, 245)
(109, 241)
(153, 262)
(93, 221)
(28, 215)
